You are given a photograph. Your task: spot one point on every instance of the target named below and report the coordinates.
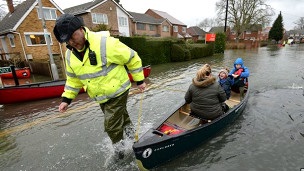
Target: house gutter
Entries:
(7, 31)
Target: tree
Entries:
(300, 23)
(4, 9)
(2, 13)
(243, 14)
(208, 23)
(276, 32)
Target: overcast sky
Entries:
(192, 12)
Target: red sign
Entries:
(210, 37)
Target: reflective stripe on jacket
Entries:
(107, 79)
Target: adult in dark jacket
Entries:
(205, 95)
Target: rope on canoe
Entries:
(139, 116)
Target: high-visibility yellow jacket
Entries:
(107, 79)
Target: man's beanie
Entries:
(65, 26)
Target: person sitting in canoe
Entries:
(205, 95)
(225, 81)
(240, 74)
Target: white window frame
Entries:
(175, 28)
(165, 28)
(184, 29)
(152, 27)
(99, 18)
(140, 26)
(123, 21)
(27, 36)
(12, 41)
(49, 13)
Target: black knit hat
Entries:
(65, 26)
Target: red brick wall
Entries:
(153, 14)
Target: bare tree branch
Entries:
(300, 23)
(243, 14)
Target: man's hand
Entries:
(142, 87)
(63, 107)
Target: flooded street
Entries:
(268, 136)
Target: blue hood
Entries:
(239, 61)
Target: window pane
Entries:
(140, 26)
(12, 42)
(94, 18)
(122, 21)
(46, 14)
(53, 13)
(152, 27)
(165, 29)
(49, 14)
(99, 18)
(175, 28)
(105, 21)
(35, 39)
(28, 39)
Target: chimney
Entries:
(10, 6)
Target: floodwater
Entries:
(268, 136)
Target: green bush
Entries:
(177, 53)
(200, 50)
(157, 51)
(200, 41)
(220, 43)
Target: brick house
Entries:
(253, 33)
(177, 28)
(144, 24)
(106, 12)
(265, 33)
(22, 32)
(196, 33)
(221, 29)
(296, 35)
